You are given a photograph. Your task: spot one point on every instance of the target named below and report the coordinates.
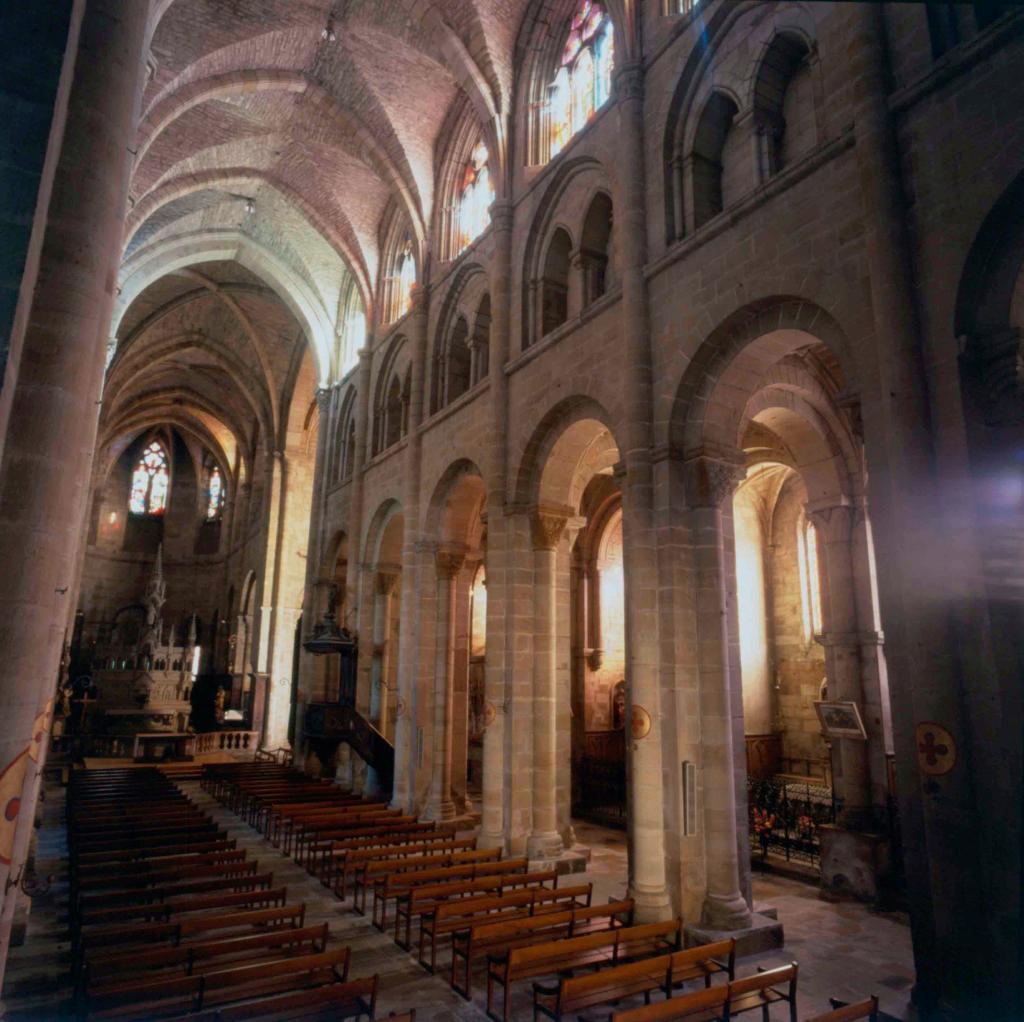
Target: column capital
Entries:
(709, 479)
(386, 581)
(629, 81)
(547, 525)
(449, 560)
(832, 518)
(502, 215)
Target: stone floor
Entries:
(844, 950)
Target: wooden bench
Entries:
(296, 834)
(459, 914)
(424, 899)
(351, 999)
(183, 906)
(127, 842)
(761, 991)
(850, 1012)
(495, 938)
(178, 930)
(200, 956)
(326, 853)
(247, 881)
(611, 947)
(174, 874)
(459, 866)
(158, 998)
(128, 857)
(700, 1006)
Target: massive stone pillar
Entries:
(55, 395)
(496, 696)
(646, 811)
(709, 483)
(407, 716)
(545, 841)
(958, 809)
(440, 805)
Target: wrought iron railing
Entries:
(785, 818)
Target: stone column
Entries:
(493, 823)
(646, 809)
(386, 582)
(54, 393)
(709, 483)
(355, 524)
(408, 653)
(937, 649)
(440, 805)
(545, 841)
(841, 640)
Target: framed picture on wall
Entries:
(840, 719)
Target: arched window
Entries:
(150, 482)
(583, 82)
(214, 495)
(406, 279)
(475, 198)
(713, 184)
(810, 578)
(554, 310)
(353, 330)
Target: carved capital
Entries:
(386, 582)
(629, 81)
(418, 298)
(709, 481)
(547, 529)
(449, 563)
(502, 215)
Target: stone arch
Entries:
(536, 482)
(459, 495)
(546, 221)
(783, 70)
(711, 397)
(596, 240)
(379, 545)
(462, 299)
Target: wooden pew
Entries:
(201, 956)
(394, 883)
(351, 999)
(762, 990)
(850, 1012)
(424, 899)
(177, 930)
(128, 858)
(496, 938)
(456, 915)
(592, 950)
(175, 874)
(318, 851)
(159, 998)
(700, 1006)
(183, 906)
(248, 881)
(664, 972)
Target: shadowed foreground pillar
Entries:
(43, 477)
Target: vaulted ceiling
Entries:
(274, 136)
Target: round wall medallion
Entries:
(936, 749)
(639, 722)
(489, 714)
(400, 707)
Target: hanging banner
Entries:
(39, 729)
(11, 782)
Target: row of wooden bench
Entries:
(170, 920)
(493, 911)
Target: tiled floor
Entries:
(844, 950)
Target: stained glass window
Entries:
(150, 482)
(214, 495)
(475, 198)
(583, 82)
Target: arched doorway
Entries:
(777, 498)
